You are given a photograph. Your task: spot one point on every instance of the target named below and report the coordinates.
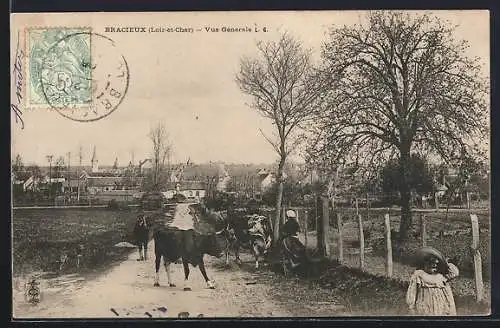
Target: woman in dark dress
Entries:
(291, 226)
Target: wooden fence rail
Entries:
(423, 231)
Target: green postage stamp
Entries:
(59, 67)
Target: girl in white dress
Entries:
(429, 292)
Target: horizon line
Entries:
(176, 163)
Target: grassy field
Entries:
(41, 236)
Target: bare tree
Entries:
(17, 164)
(281, 82)
(59, 167)
(403, 84)
(160, 154)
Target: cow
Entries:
(190, 246)
(248, 232)
(141, 236)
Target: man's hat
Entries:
(290, 214)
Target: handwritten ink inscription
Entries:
(17, 73)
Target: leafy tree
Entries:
(420, 177)
(293, 193)
(468, 173)
(402, 84)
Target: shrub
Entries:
(113, 204)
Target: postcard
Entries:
(250, 164)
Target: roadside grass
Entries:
(345, 290)
(378, 295)
(340, 291)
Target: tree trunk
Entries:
(279, 198)
(405, 215)
(405, 224)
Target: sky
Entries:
(186, 81)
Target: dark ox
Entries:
(141, 236)
(188, 245)
(250, 232)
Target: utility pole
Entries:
(49, 159)
(80, 156)
(69, 174)
(132, 169)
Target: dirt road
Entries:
(128, 289)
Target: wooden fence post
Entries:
(319, 226)
(316, 212)
(297, 216)
(340, 238)
(388, 243)
(423, 231)
(478, 272)
(361, 243)
(306, 227)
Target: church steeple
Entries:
(94, 161)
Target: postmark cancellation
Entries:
(80, 74)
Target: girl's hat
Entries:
(427, 251)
